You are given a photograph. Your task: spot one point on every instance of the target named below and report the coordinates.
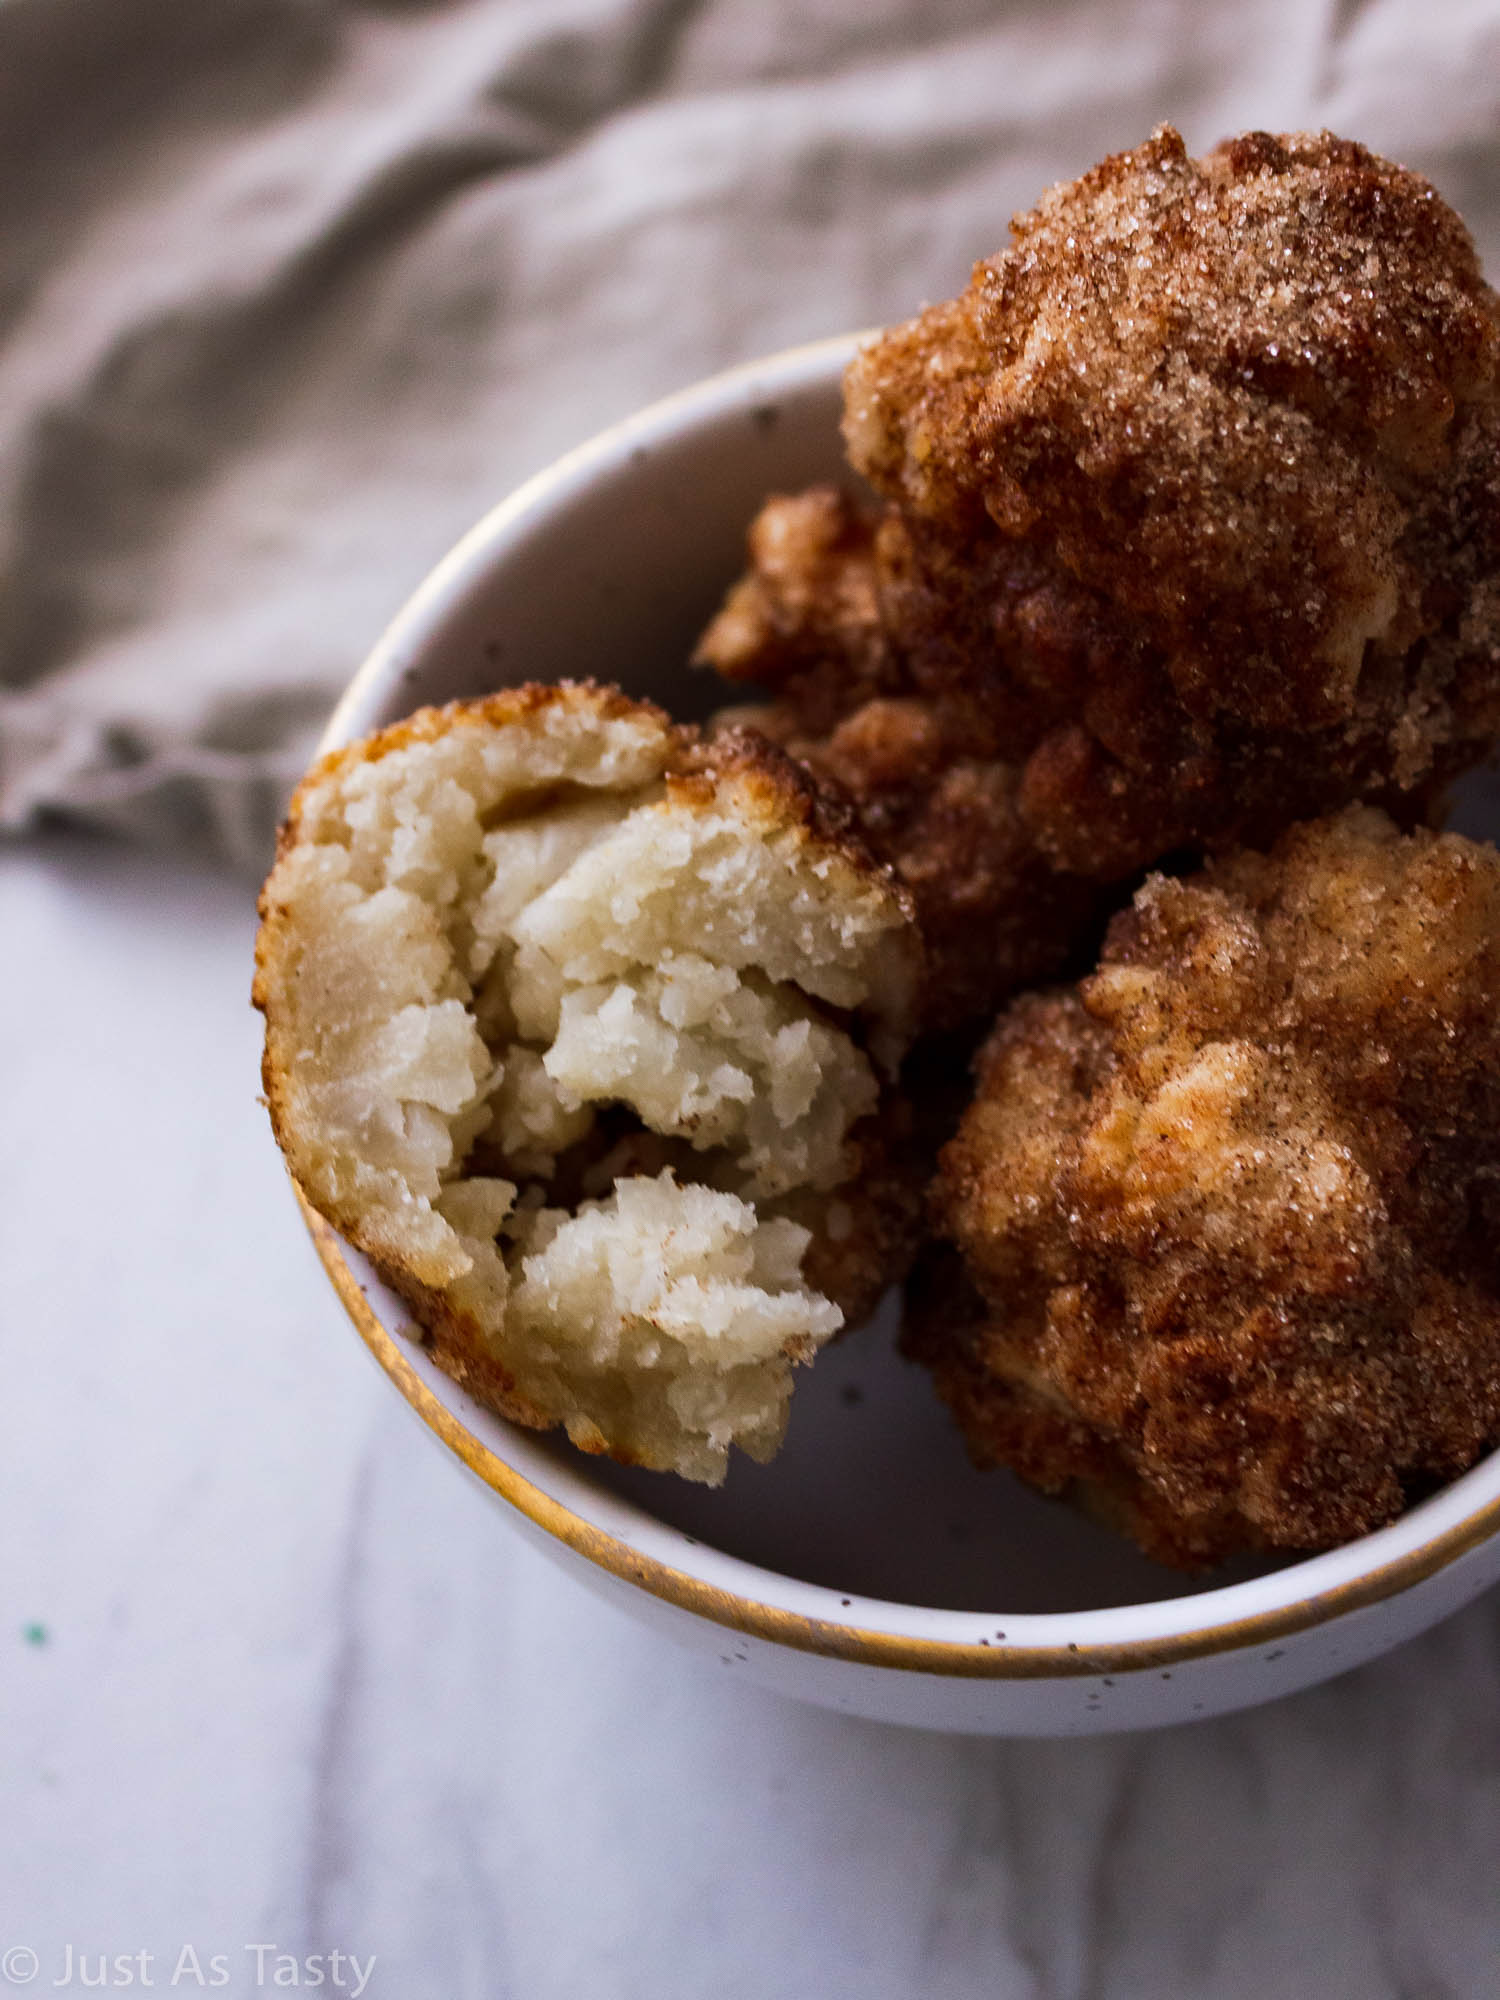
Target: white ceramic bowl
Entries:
(870, 1568)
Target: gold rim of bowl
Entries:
(830, 1637)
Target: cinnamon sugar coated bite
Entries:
(1226, 1215)
(584, 1033)
(1188, 526)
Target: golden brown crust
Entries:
(458, 1344)
(1226, 1211)
(785, 789)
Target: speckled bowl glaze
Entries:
(869, 1568)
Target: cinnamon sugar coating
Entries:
(1226, 1215)
(1201, 478)
(1189, 520)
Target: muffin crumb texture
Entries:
(563, 1012)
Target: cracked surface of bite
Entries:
(1226, 1213)
(499, 934)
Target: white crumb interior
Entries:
(501, 933)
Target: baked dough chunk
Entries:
(1200, 487)
(1227, 1213)
(566, 1016)
(1187, 526)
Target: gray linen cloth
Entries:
(292, 290)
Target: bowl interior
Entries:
(608, 566)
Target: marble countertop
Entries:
(274, 1686)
